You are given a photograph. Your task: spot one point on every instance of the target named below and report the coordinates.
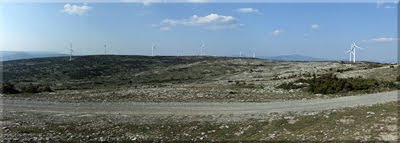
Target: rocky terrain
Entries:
(180, 79)
(375, 123)
(51, 85)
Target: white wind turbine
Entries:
(202, 49)
(354, 47)
(352, 52)
(105, 49)
(70, 51)
(152, 49)
(254, 53)
(180, 53)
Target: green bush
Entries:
(330, 84)
(398, 78)
(45, 88)
(291, 85)
(30, 89)
(8, 88)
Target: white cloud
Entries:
(76, 9)
(388, 6)
(379, 3)
(384, 39)
(148, 2)
(247, 10)
(315, 26)
(197, 1)
(165, 28)
(211, 21)
(277, 32)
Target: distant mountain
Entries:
(16, 55)
(293, 58)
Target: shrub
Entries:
(330, 84)
(291, 85)
(30, 89)
(8, 88)
(45, 88)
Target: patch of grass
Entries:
(292, 85)
(330, 84)
(31, 88)
(26, 130)
(8, 88)
(244, 84)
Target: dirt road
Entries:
(177, 108)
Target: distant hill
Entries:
(94, 70)
(17, 55)
(293, 58)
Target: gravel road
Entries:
(189, 108)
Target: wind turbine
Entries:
(350, 53)
(105, 49)
(70, 51)
(353, 48)
(201, 49)
(181, 53)
(254, 53)
(152, 49)
(240, 54)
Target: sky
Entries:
(320, 30)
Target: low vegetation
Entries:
(331, 84)
(8, 88)
(190, 79)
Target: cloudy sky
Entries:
(322, 30)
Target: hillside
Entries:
(143, 78)
(109, 70)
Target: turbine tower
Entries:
(202, 49)
(240, 54)
(352, 52)
(70, 51)
(354, 47)
(350, 55)
(152, 49)
(254, 53)
(105, 49)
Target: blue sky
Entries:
(323, 30)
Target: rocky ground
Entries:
(183, 79)
(378, 122)
(213, 80)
